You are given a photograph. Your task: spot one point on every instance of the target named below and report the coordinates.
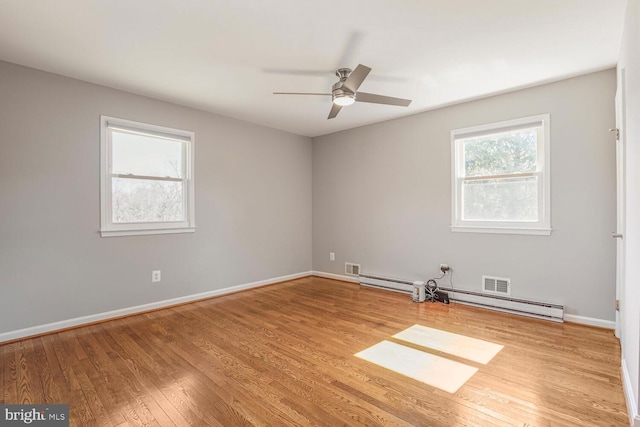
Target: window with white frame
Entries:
(500, 177)
(147, 184)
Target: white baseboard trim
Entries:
(632, 408)
(335, 276)
(591, 321)
(93, 318)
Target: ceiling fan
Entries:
(345, 91)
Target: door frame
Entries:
(620, 112)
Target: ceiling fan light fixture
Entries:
(343, 98)
(345, 91)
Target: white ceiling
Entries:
(228, 56)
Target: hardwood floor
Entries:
(284, 355)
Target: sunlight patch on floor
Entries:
(436, 371)
(473, 349)
(433, 370)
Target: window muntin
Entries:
(501, 177)
(147, 179)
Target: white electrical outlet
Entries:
(444, 268)
(156, 276)
(332, 256)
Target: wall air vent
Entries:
(351, 269)
(496, 285)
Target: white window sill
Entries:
(502, 230)
(115, 233)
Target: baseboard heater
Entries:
(396, 285)
(539, 310)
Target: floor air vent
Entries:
(351, 269)
(496, 285)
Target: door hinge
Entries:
(617, 131)
(617, 305)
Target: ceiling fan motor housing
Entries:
(342, 96)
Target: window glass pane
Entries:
(145, 155)
(141, 200)
(501, 153)
(507, 199)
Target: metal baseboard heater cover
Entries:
(536, 309)
(396, 285)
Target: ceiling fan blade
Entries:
(292, 72)
(356, 78)
(335, 109)
(300, 93)
(380, 99)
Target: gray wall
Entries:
(382, 198)
(629, 63)
(253, 204)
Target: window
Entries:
(147, 184)
(500, 177)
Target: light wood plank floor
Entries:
(284, 355)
